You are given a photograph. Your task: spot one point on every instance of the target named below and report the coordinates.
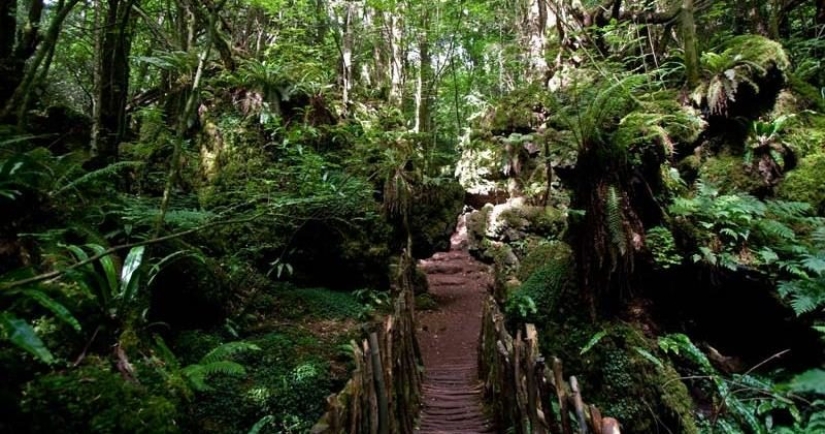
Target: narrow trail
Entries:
(449, 337)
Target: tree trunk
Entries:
(27, 82)
(820, 12)
(689, 40)
(535, 23)
(112, 76)
(346, 56)
(425, 83)
(10, 68)
(17, 44)
(393, 35)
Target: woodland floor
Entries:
(449, 337)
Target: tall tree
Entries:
(111, 77)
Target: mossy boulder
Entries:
(541, 255)
(548, 275)
(620, 369)
(433, 217)
(94, 399)
(546, 221)
(476, 223)
(626, 379)
(730, 173)
(805, 183)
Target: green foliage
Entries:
(663, 247)
(752, 402)
(615, 224)
(540, 255)
(738, 229)
(216, 362)
(92, 399)
(628, 378)
(803, 183)
(320, 303)
(538, 298)
(745, 60)
(287, 380)
(19, 172)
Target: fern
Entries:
(745, 58)
(198, 374)
(105, 173)
(227, 350)
(805, 295)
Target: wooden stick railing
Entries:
(384, 392)
(521, 388)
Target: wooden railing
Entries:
(384, 392)
(521, 388)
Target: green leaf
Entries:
(592, 342)
(129, 279)
(809, 381)
(261, 424)
(110, 273)
(21, 334)
(650, 357)
(54, 306)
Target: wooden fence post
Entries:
(379, 385)
(561, 394)
(578, 404)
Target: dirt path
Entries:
(449, 338)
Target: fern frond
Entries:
(776, 229)
(98, 175)
(224, 367)
(227, 350)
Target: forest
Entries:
(206, 204)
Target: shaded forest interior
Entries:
(204, 204)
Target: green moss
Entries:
(629, 382)
(758, 50)
(93, 399)
(319, 303)
(288, 379)
(542, 255)
(433, 217)
(546, 221)
(806, 135)
(804, 184)
(730, 173)
(623, 372)
(476, 223)
(420, 285)
(516, 111)
(808, 96)
(550, 282)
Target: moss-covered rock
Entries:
(629, 382)
(805, 184)
(730, 173)
(548, 277)
(476, 223)
(548, 221)
(93, 399)
(619, 368)
(433, 218)
(542, 255)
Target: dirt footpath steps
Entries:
(453, 393)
